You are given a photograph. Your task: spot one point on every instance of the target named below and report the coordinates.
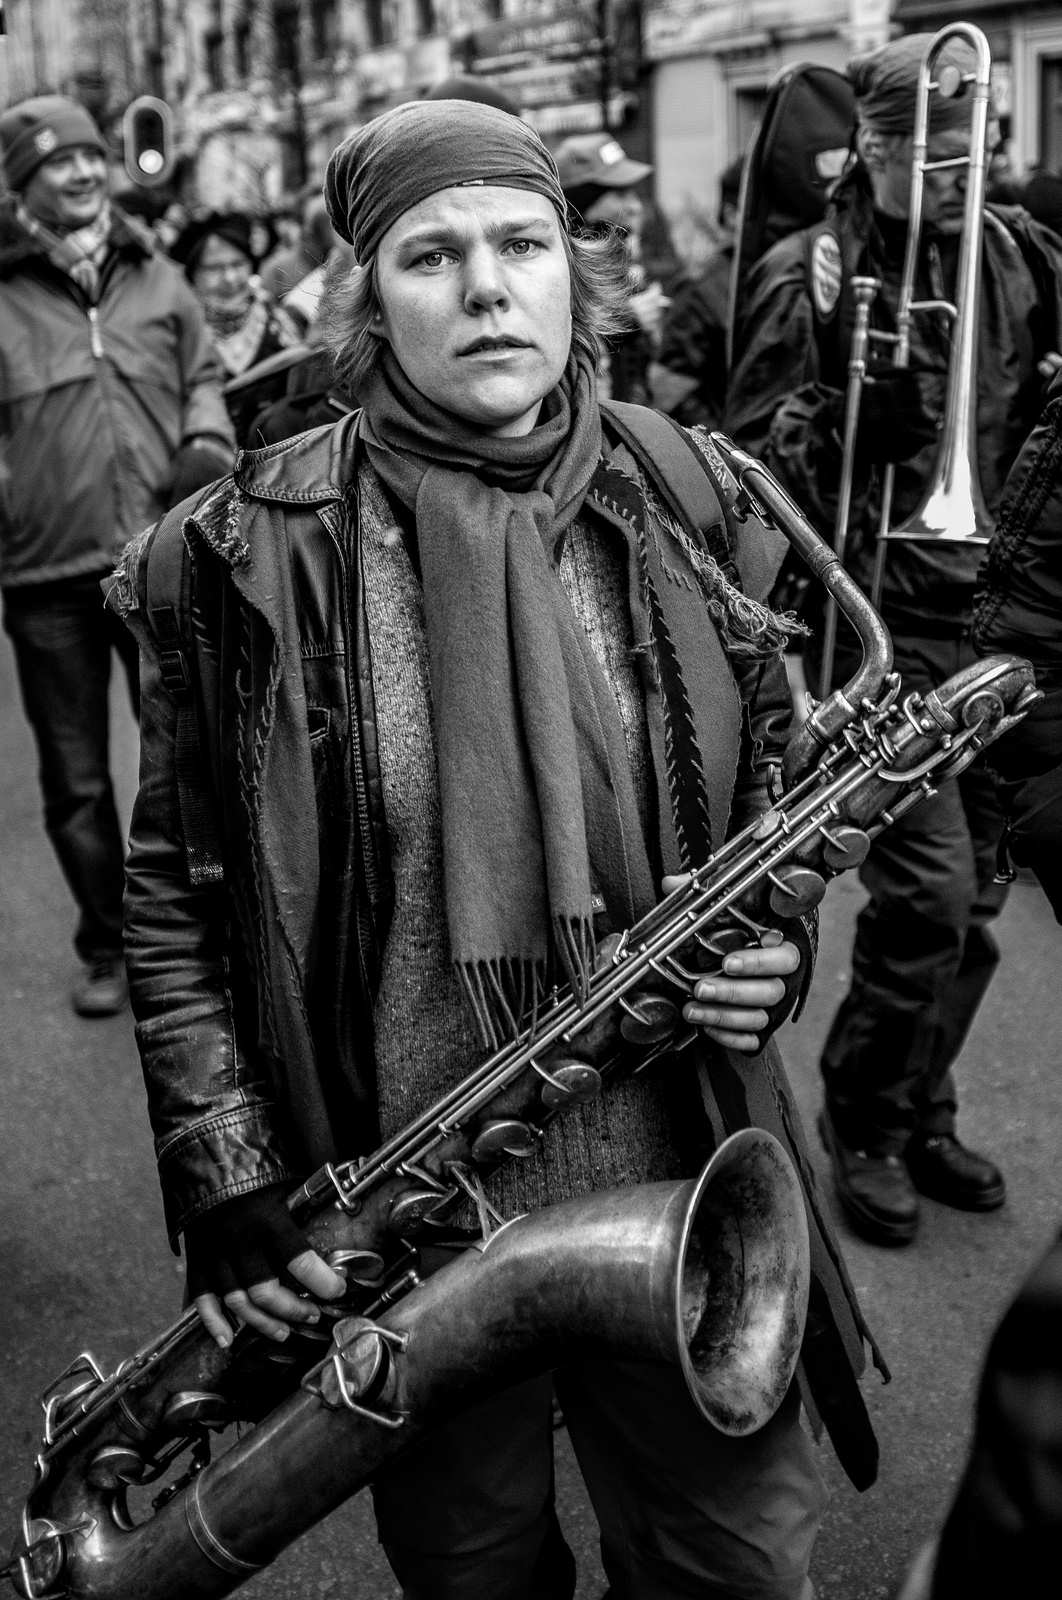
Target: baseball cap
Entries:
(597, 161)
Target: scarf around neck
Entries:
(81, 252)
(537, 798)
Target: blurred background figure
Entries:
(479, 90)
(1041, 195)
(290, 265)
(600, 182)
(1003, 1534)
(220, 260)
(688, 378)
(112, 412)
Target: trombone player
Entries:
(924, 953)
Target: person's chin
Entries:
(78, 213)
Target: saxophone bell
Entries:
(710, 1275)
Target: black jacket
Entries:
(790, 373)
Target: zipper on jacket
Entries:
(94, 332)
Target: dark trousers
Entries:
(467, 1513)
(924, 953)
(63, 641)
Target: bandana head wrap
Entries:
(407, 154)
(886, 85)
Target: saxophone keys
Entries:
(363, 1267)
(795, 890)
(721, 942)
(649, 1019)
(196, 1408)
(115, 1466)
(505, 1136)
(413, 1205)
(844, 847)
(568, 1083)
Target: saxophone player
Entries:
(924, 950)
(422, 717)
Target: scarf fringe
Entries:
(747, 627)
(506, 995)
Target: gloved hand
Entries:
(243, 1241)
(197, 463)
(246, 1251)
(892, 424)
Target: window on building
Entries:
(1051, 113)
(241, 44)
(380, 17)
(425, 15)
(214, 57)
(323, 27)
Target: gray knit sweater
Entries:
(426, 1041)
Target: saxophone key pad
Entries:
(569, 1083)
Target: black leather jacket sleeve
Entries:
(209, 1101)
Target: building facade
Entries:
(262, 90)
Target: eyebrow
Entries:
(445, 233)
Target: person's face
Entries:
(944, 192)
(68, 190)
(620, 207)
(222, 273)
(475, 295)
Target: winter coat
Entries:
(1019, 601)
(785, 400)
(253, 961)
(94, 400)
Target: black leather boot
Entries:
(945, 1170)
(876, 1191)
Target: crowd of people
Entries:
(441, 686)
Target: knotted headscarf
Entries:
(419, 148)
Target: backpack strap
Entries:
(678, 471)
(168, 596)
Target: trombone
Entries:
(952, 508)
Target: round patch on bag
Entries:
(825, 274)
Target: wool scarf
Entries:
(537, 798)
(81, 252)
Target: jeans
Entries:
(924, 953)
(467, 1512)
(63, 639)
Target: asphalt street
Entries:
(85, 1264)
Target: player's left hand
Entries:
(731, 1007)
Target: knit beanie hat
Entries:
(413, 151)
(36, 129)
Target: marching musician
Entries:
(431, 699)
(924, 952)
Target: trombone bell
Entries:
(953, 511)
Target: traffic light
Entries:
(147, 140)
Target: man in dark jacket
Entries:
(1019, 610)
(110, 410)
(463, 685)
(923, 954)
